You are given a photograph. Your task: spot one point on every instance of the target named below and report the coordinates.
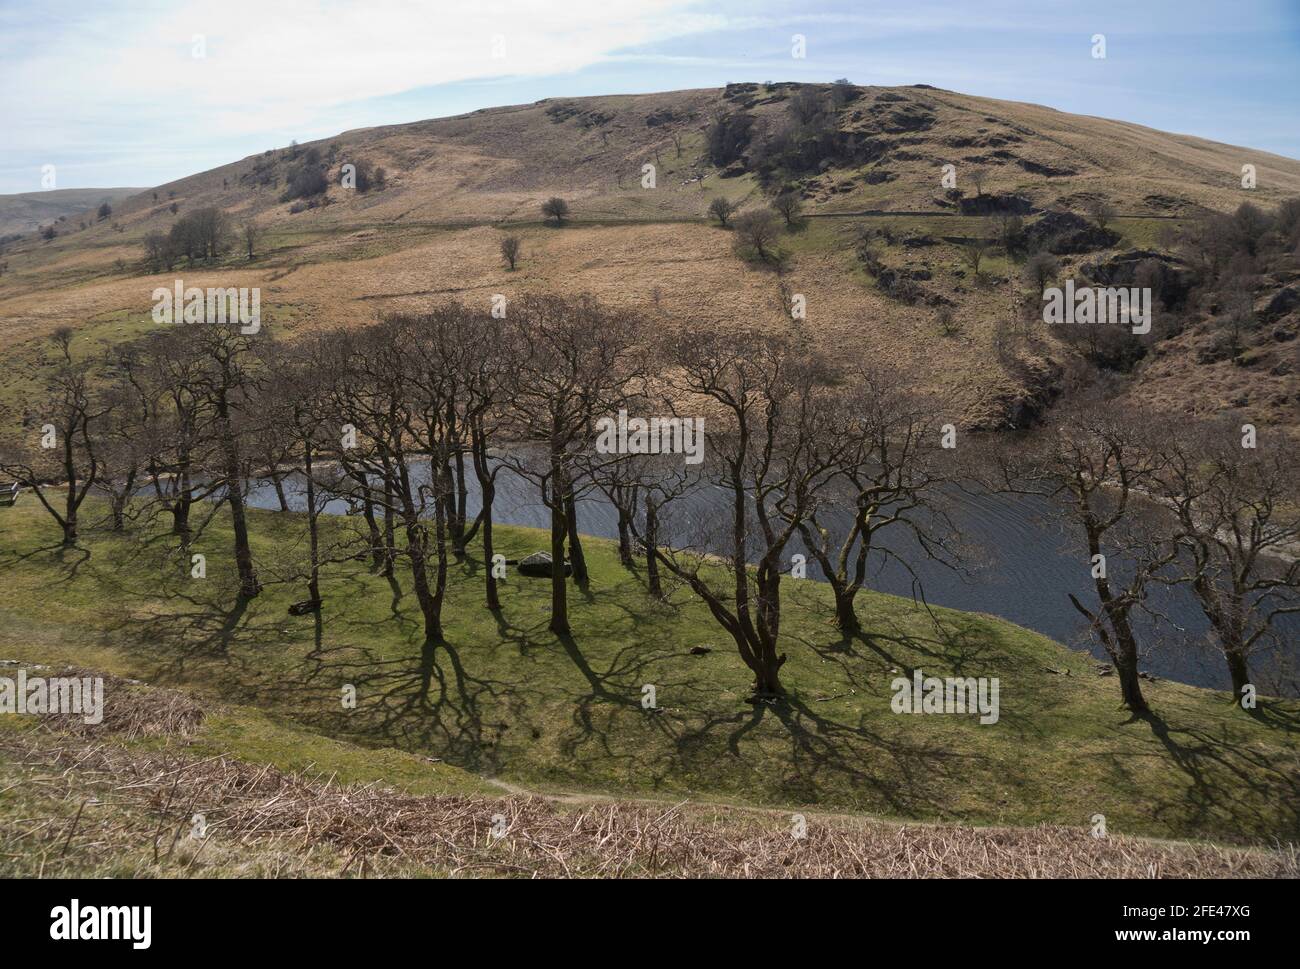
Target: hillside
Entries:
(346, 811)
(25, 212)
(454, 184)
(505, 699)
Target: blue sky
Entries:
(112, 93)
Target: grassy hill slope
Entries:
(24, 212)
(456, 185)
(506, 699)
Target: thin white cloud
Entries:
(269, 66)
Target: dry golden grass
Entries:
(135, 809)
(456, 183)
(672, 272)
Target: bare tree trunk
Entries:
(180, 507)
(416, 548)
(1238, 669)
(1119, 642)
(492, 600)
(1126, 665)
(651, 548)
(248, 584)
(487, 489)
(624, 540)
(578, 560)
(458, 511)
(280, 496)
(118, 505)
(767, 679)
(559, 529)
(70, 472)
(846, 618)
(181, 520)
(313, 530)
(378, 553)
(390, 547)
(1225, 619)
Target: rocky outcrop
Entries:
(1276, 305)
(1064, 233)
(1167, 274)
(996, 205)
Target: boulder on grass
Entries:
(540, 565)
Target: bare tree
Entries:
(298, 407)
(721, 208)
(181, 434)
(788, 204)
(159, 252)
(482, 407)
(378, 388)
(882, 445)
(556, 209)
(574, 362)
(1008, 229)
(621, 484)
(756, 234)
(63, 450)
(124, 435)
(1100, 211)
(758, 395)
(1041, 269)
(226, 380)
(972, 252)
(639, 485)
(510, 246)
(1099, 461)
(251, 234)
(1237, 518)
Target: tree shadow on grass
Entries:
(1218, 773)
(68, 559)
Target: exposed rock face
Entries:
(1165, 273)
(1064, 233)
(560, 113)
(1277, 305)
(996, 204)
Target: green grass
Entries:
(24, 366)
(505, 698)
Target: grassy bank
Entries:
(505, 698)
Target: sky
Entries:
(132, 93)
